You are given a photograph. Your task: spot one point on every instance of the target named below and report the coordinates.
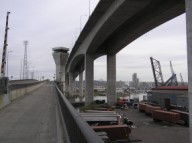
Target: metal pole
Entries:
(80, 21)
(89, 8)
(7, 62)
(21, 69)
(25, 63)
(33, 72)
(188, 6)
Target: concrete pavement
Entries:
(148, 131)
(30, 119)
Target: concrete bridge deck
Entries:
(31, 118)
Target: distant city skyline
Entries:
(58, 23)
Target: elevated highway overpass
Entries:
(113, 25)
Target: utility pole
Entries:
(3, 64)
(25, 66)
(7, 62)
(21, 69)
(81, 22)
(89, 8)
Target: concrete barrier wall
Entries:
(4, 100)
(17, 90)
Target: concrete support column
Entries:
(70, 84)
(188, 5)
(111, 79)
(81, 84)
(74, 84)
(66, 84)
(89, 77)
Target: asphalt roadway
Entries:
(30, 119)
(145, 130)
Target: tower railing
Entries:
(78, 131)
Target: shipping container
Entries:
(184, 116)
(159, 115)
(142, 106)
(149, 109)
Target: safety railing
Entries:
(77, 129)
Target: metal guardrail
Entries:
(78, 130)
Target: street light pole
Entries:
(33, 72)
(81, 21)
(7, 62)
(89, 8)
(21, 69)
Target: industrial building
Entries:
(169, 96)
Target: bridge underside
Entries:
(112, 26)
(131, 20)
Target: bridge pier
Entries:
(89, 77)
(67, 83)
(111, 79)
(71, 83)
(74, 84)
(188, 5)
(81, 84)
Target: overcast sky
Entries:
(52, 23)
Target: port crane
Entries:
(158, 76)
(157, 73)
(182, 81)
(172, 81)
